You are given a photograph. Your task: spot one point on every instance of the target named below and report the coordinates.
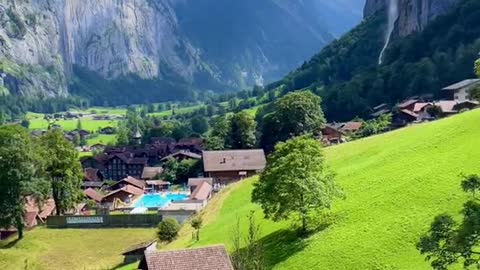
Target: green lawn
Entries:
(177, 111)
(102, 111)
(69, 125)
(86, 249)
(103, 139)
(394, 183)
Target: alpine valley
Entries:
(127, 51)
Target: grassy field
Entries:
(395, 184)
(102, 111)
(93, 249)
(182, 110)
(103, 139)
(69, 125)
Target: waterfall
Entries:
(392, 19)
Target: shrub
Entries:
(168, 230)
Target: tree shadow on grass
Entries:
(280, 245)
(122, 264)
(10, 244)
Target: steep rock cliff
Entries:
(414, 15)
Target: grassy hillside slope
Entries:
(395, 184)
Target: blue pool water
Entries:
(159, 201)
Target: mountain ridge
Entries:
(168, 41)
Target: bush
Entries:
(168, 230)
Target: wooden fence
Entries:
(104, 221)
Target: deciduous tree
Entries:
(448, 242)
(241, 131)
(168, 230)
(199, 124)
(21, 174)
(63, 170)
(295, 114)
(295, 181)
(197, 225)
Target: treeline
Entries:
(129, 89)
(348, 78)
(14, 108)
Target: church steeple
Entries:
(137, 136)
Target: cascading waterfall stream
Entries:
(392, 19)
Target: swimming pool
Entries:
(159, 200)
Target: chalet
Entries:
(151, 173)
(182, 155)
(194, 145)
(332, 135)
(446, 107)
(120, 165)
(82, 132)
(404, 117)
(408, 104)
(128, 181)
(92, 175)
(206, 258)
(93, 195)
(124, 194)
(136, 253)
(460, 91)
(193, 183)
(232, 165)
(351, 127)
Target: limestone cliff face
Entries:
(414, 15)
(31, 57)
(227, 43)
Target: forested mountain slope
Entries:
(346, 73)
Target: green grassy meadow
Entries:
(102, 139)
(181, 110)
(71, 124)
(44, 249)
(394, 183)
(102, 111)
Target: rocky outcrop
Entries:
(414, 15)
(30, 50)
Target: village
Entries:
(123, 186)
(413, 110)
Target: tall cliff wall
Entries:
(414, 15)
